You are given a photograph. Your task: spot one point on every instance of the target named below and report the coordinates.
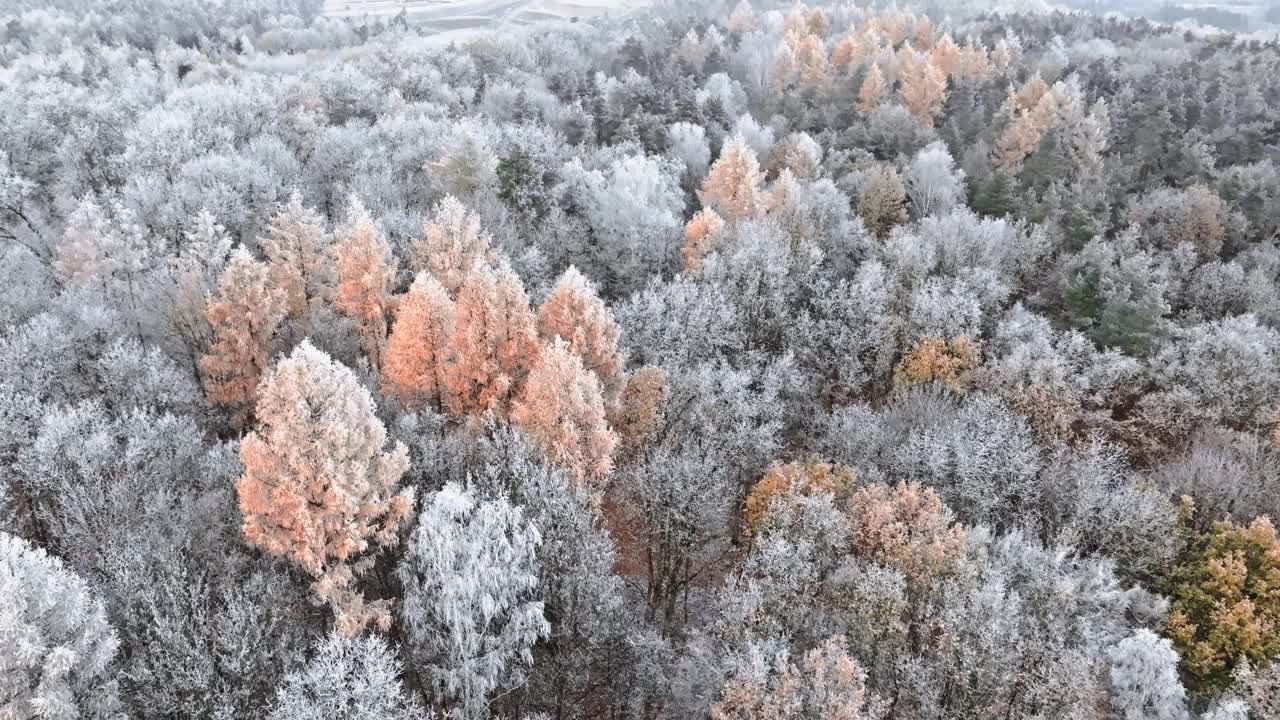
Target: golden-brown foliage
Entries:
(906, 527)
(934, 359)
(641, 412)
(1226, 601)
(811, 478)
(883, 201)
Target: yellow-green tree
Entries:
(1226, 601)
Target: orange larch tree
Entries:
(494, 342)
(299, 253)
(244, 316)
(366, 272)
(451, 243)
(701, 234)
(732, 186)
(413, 369)
(320, 487)
(872, 90)
(562, 409)
(574, 312)
(923, 88)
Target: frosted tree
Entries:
(113, 259)
(733, 185)
(574, 563)
(946, 55)
(783, 70)
(563, 411)
(743, 19)
(468, 166)
(574, 312)
(883, 201)
(933, 183)
(469, 612)
(634, 206)
(975, 62)
(1259, 687)
(1086, 134)
(640, 412)
(923, 88)
(687, 142)
(701, 234)
(813, 64)
(319, 486)
(450, 245)
(366, 272)
(1031, 112)
(791, 480)
(872, 90)
(797, 152)
(1196, 216)
(1231, 709)
(58, 648)
(827, 684)
(691, 50)
(244, 316)
(195, 273)
(1144, 678)
(906, 527)
(346, 679)
(493, 345)
(298, 251)
(413, 369)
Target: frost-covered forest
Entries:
(722, 361)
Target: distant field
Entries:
(460, 16)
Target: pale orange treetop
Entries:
(494, 342)
(451, 243)
(366, 272)
(872, 90)
(907, 527)
(701, 234)
(320, 487)
(243, 317)
(414, 367)
(639, 416)
(562, 409)
(298, 252)
(946, 55)
(574, 312)
(828, 684)
(1027, 124)
(923, 88)
(732, 186)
